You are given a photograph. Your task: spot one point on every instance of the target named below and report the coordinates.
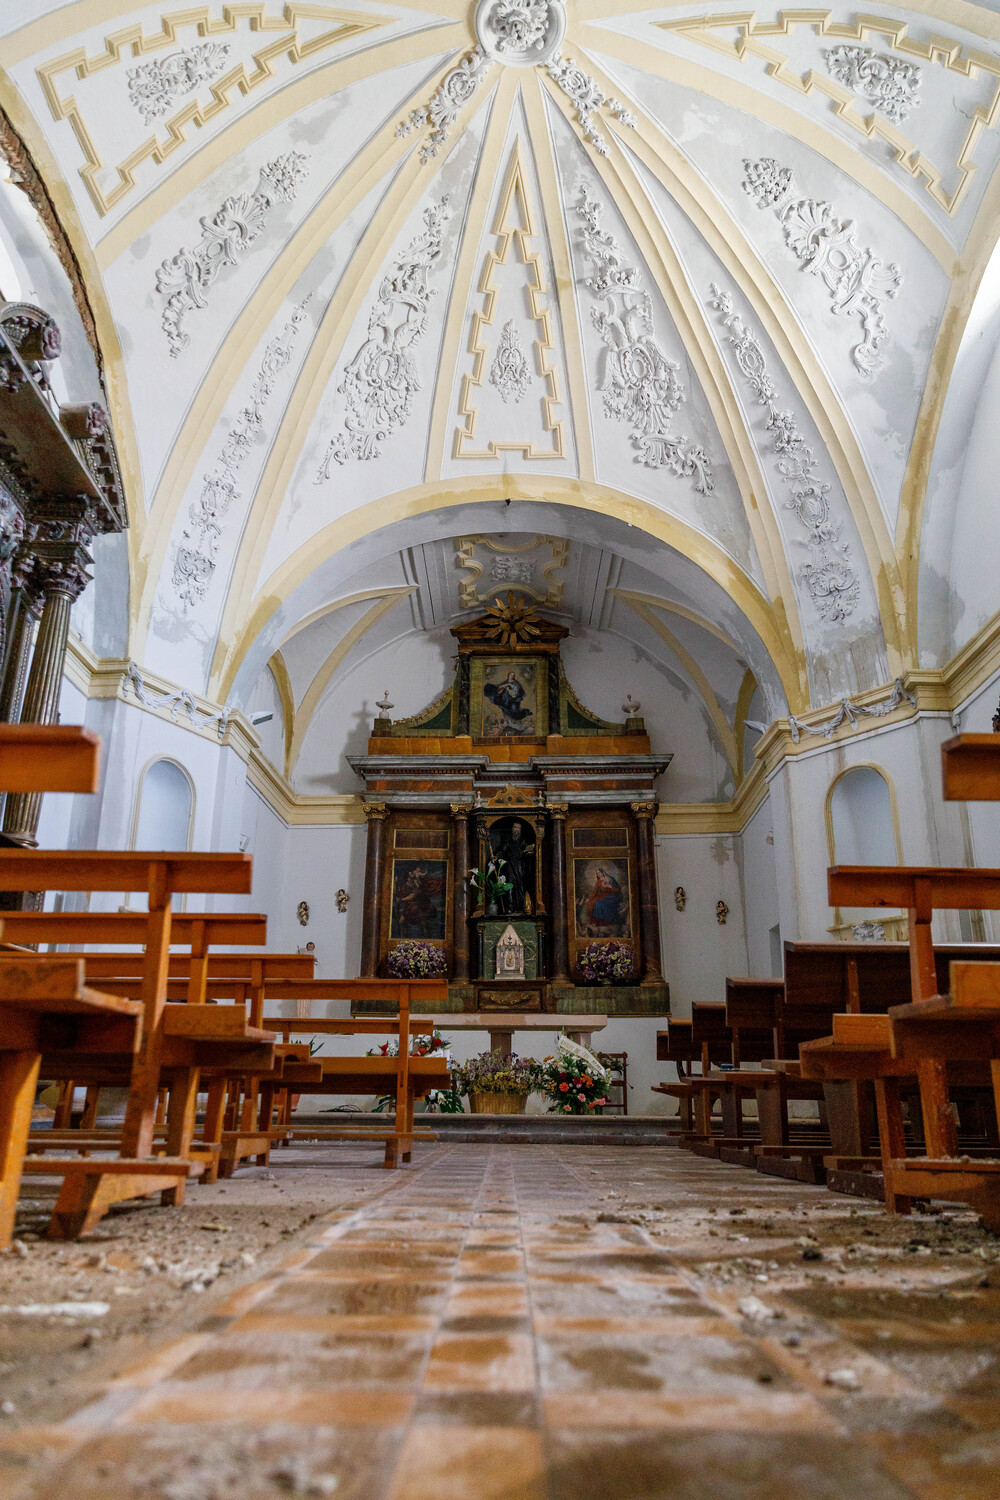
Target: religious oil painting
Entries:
(601, 895)
(505, 702)
(419, 898)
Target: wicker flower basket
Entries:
(497, 1104)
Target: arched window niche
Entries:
(862, 828)
(163, 817)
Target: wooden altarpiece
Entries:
(509, 764)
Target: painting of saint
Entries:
(509, 701)
(602, 899)
(419, 890)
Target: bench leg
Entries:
(892, 1146)
(18, 1078)
(63, 1117)
(848, 1117)
(89, 1120)
(180, 1129)
(772, 1112)
(940, 1136)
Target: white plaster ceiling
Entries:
(331, 334)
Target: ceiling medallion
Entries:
(520, 33)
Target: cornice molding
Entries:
(937, 690)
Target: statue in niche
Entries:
(509, 963)
(512, 840)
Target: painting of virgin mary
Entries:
(602, 899)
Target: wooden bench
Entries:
(160, 875)
(49, 758)
(410, 1077)
(932, 1035)
(42, 1001)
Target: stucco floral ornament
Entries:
(516, 34)
(640, 384)
(510, 371)
(520, 33)
(381, 380)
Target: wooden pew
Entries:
(410, 1077)
(43, 1001)
(160, 875)
(49, 758)
(970, 768)
(920, 890)
(933, 1034)
(678, 1044)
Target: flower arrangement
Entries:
(573, 1080)
(491, 883)
(607, 961)
(414, 959)
(498, 1072)
(445, 1101)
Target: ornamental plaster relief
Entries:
(186, 85)
(195, 556)
(183, 280)
(520, 34)
(639, 382)
(715, 138)
(381, 379)
(858, 280)
(830, 576)
(216, 354)
(492, 563)
(488, 431)
(923, 98)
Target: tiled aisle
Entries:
(478, 1333)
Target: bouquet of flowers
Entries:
(497, 1072)
(491, 883)
(574, 1080)
(607, 961)
(445, 1101)
(414, 959)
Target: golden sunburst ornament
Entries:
(513, 622)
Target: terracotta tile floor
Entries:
(490, 1328)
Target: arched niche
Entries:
(862, 828)
(163, 817)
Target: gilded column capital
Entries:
(374, 811)
(557, 809)
(460, 809)
(644, 809)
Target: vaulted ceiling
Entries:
(704, 274)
